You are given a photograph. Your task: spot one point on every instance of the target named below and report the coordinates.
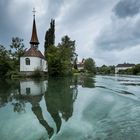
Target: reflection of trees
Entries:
(59, 99)
(38, 112)
(8, 89)
(19, 107)
(35, 102)
(86, 81)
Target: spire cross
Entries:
(34, 12)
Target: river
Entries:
(73, 108)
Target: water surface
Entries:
(78, 108)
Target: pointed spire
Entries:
(34, 38)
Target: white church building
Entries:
(33, 59)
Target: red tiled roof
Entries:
(125, 65)
(33, 52)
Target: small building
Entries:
(80, 65)
(123, 67)
(33, 59)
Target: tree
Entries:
(54, 62)
(106, 69)
(60, 57)
(9, 59)
(17, 49)
(49, 37)
(89, 65)
(136, 70)
(67, 54)
(4, 61)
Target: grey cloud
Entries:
(120, 35)
(83, 10)
(12, 25)
(80, 19)
(127, 8)
(54, 7)
(5, 29)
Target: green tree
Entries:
(4, 61)
(17, 50)
(67, 54)
(136, 70)
(49, 37)
(60, 58)
(106, 69)
(54, 62)
(89, 65)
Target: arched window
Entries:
(40, 62)
(27, 61)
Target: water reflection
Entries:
(59, 98)
(84, 81)
(59, 95)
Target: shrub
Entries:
(37, 73)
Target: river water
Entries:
(78, 108)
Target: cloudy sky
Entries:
(106, 30)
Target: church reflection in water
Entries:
(59, 95)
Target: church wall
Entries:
(35, 63)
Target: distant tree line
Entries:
(104, 70)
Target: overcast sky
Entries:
(106, 30)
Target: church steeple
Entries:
(34, 39)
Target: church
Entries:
(33, 59)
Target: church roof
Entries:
(33, 52)
(34, 38)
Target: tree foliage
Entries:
(9, 59)
(54, 63)
(89, 65)
(67, 52)
(17, 48)
(60, 57)
(106, 69)
(4, 61)
(50, 37)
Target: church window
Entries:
(40, 62)
(28, 91)
(27, 61)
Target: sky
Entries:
(106, 30)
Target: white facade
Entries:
(80, 67)
(121, 68)
(33, 88)
(35, 63)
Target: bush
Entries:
(37, 73)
